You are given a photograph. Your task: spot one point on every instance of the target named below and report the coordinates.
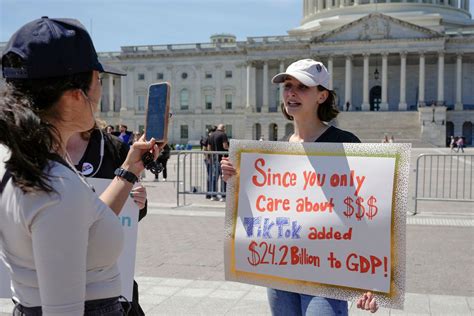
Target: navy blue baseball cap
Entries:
(53, 48)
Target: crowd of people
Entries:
(59, 238)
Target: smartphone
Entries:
(158, 112)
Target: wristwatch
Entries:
(127, 175)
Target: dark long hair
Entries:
(26, 105)
(327, 110)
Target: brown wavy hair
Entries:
(25, 107)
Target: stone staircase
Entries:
(371, 127)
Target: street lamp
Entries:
(376, 72)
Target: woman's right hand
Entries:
(133, 162)
(228, 169)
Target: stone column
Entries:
(282, 69)
(247, 105)
(402, 106)
(128, 90)
(251, 97)
(440, 78)
(365, 92)
(305, 2)
(356, 2)
(384, 101)
(342, 3)
(328, 4)
(111, 95)
(174, 97)
(311, 7)
(421, 83)
(218, 101)
(149, 76)
(348, 94)
(198, 104)
(265, 88)
(320, 5)
(459, 104)
(468, 4)
(123, 90)
(331, 72)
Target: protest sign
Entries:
(126, 263)
(320, 219)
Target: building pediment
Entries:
(376, 26)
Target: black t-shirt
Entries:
(217, 140)
(115, 152)
(333, 135)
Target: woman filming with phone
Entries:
(59, 239)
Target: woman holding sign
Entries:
(60, 240)
(309, 103)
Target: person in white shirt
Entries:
(59, 240)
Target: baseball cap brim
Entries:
(110, 70)
(301, 77)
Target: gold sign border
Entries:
(394, 298)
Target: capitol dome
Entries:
(321, 16)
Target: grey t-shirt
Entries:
(61, 248)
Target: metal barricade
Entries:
(199, 173)
(444, 178)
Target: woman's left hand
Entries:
(138, 194)
(367, 302)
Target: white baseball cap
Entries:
(307, 71)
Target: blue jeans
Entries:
(287, 303)
(216, 173)
(102, 307)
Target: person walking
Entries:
(208, 160)
(460, 144)
(452, 143)
(309, 103)
(163, 160)
(218, 141)
(59, 239)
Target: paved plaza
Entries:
(180, 261)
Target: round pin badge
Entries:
(87, 168)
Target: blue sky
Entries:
(115, 23)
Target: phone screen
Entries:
(157, 114)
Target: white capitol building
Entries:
(390, 59)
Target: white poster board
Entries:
(5, 291)
(126, 263)
(319, 219)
